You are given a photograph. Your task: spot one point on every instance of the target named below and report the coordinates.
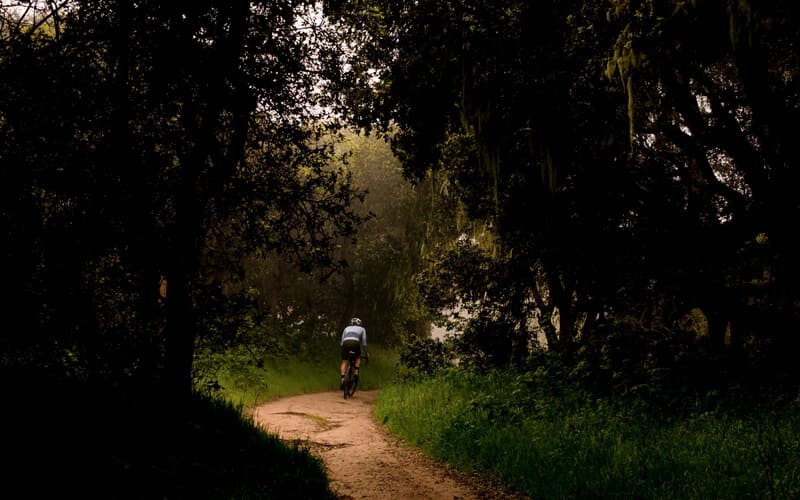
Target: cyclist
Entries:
(353, 337)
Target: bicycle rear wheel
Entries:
(348, 379)
(353, 384)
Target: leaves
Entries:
(158, 142)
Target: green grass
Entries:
(556, 445)
(245, 383)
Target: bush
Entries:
(425, 356)
(486, 343)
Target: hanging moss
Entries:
(741, 23)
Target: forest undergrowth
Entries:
(82, 439)
(595, 430)
(554, 442)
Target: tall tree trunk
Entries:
(206, 169)
(183, 265)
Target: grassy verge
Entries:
(556, 445)
(65, 439)
(245, 381)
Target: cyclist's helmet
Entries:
(355, 322)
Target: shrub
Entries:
(425, 356)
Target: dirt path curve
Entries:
(362, 459)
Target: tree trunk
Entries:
(202, 180)
(562, 299)
(179, 334)
(183, 266)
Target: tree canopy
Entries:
(633, 158)
(144, 147)
(575, 167)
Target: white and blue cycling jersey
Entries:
(357, 333)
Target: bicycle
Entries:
(350, 379)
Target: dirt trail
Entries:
(362, 459)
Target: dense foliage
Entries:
(144, 148)
(291, 308)
(613, 182)
(634, 160)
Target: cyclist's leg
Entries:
(347, 347)
(357, 349)
(350, 379)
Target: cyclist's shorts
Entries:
(351, 345)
